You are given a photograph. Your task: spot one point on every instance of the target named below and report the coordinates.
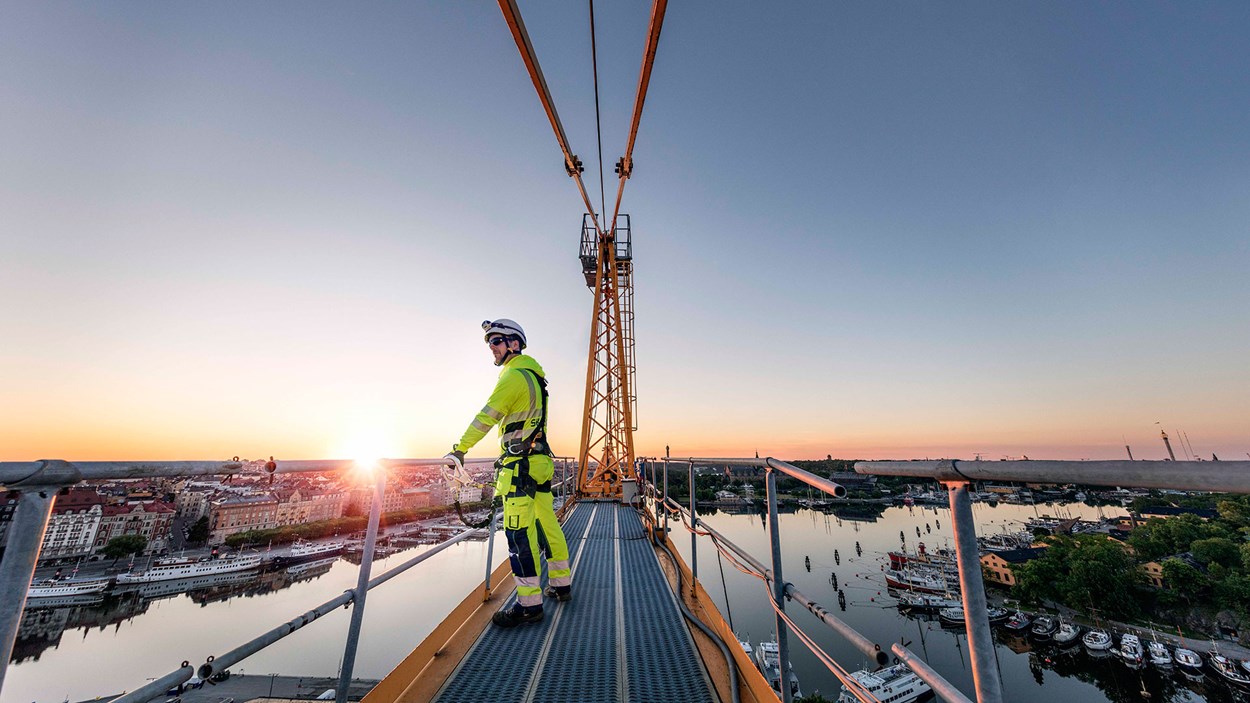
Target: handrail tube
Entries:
(1216, 476)
(834, 489)
(157, 687)
(779, 591)
(26, 532)
(849, 633)
(249, 648)
(985, 676)
(941, 687)
(361, 593)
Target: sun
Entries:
(366, 447)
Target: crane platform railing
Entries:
(1214, 476)
(38, 483)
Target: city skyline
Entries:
(860, 231)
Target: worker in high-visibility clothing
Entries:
(525, 469)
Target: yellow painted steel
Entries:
(607, 442)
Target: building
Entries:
(231, 515)
(296, 506)
(151, 520)
(997, 566)
(73, 525)
(1154, 569)
(852, 481)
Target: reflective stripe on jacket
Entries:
(516, 405)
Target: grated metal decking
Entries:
(621, 638)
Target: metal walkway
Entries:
(621, 638)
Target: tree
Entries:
(1186, 581)
(1216, 550)
(199, 531)
(123, 545)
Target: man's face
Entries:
(498, 347)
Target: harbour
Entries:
(150, 623)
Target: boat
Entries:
(1017, 622)
(1228, 670)
(1043, 627)
(768, 661)
(925, 601)
(180, 568)
(997, 615)
(1130, 650)
(1097, 641)
(952, 616)
(916, 581)
(56, 588)
(311, 566)
(309, 551)
(1068, 633)
(1187, 659)
(896, 684)
(1159, 655)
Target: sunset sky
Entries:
(866, 230)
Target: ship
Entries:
(180, 568)
(310, 551)
(768, 661)
(55, 588)
(896, 684)
(916, 581)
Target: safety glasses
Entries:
(496, 341)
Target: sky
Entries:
(865, 230)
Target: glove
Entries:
(457, 477)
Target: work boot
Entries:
(517, 615)
(560, 593)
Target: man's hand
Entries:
(457, 478)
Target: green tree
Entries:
(1216, 550)
(199, 531)
(123, 545)
(1183, 579)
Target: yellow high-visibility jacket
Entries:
(516, 405)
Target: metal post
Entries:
(362, 587)
(779, 588)
(989, 687)
(694, 538)
(490, 550)
(30, 520)
(665, 502)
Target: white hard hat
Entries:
(503, 326)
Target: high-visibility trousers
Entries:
(532, 529)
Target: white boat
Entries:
(1187, 658)
(768, 661)
(1159, 655)
(1097, 640)
(1130, 650)
(925, 601)
(896, 684)
(1067, 633)
(953, 617)
(916, 580)
(179, 568)
(308, 551)
(308, 567)
(55, 588)
(1228, 670)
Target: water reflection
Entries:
(45, 620)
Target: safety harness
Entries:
(536, 443)
(522, 450)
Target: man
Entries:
(519, 405)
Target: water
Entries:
(88, 650)
(1031, 673)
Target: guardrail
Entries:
(1222, 476)
(39, 482)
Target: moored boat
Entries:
(1018, 622)
(180, 568)
(1187, 659)
(768, 661)
(1097, 641)
(997, 615)
(896, 684)
(916, 581)
(1158, 653)
(56, 588)
(925, 601)
(310, 551)
(1068, 633)
(1130, 650)
(1043, 627)
(1228, 670)
(951, 617)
